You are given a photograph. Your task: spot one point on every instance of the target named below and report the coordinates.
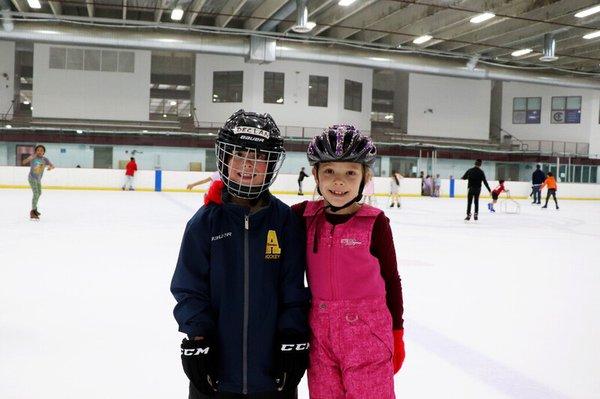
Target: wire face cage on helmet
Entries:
(249, 152)
(247, 172)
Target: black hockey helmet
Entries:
(252, 137)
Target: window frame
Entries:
(571, 116)
(352, 101)
(529, 113)
(271, 85)
(317, 86)
(230, 88)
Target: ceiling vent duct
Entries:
(302, 25)
(262, 50)
(77, 35)
(549, 47)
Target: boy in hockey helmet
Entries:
(239, 280)
(356, 311)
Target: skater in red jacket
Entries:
(130, 170)
(495, 194)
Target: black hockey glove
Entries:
(198, 361)
(291, 361)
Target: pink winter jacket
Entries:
(342, 267)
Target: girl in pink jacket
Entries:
(356, 314)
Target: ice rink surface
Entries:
(506, 307)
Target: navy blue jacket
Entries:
(240, 280)
(538, 177)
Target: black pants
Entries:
(194, 394)
(551, 192)
(537, 193)
(473, 196)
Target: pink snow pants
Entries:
(351, 350)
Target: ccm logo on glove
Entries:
(297, 347)
(199, 365)
(194, 352)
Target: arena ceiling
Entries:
(377, 24)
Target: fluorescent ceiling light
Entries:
(589, 11)
(592, 35)
(47, 32)
(521, 52)
(482, 17)
(177, 14)
(168, 40)
(345, 3)
(34, 3)
(422, 39)
(144, 131)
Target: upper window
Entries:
(527, 110)
(318, 87)
(91, 60)
(228, 87)
(273, 90)
(58, 57)
(75, 58)
(126, 61)
(566, 110)
(109, 60)
(352, 95)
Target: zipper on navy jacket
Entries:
(246, 305)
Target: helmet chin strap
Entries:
(252, 202)
(347, 204)
(335, 209)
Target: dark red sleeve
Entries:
(383, 249)
(298, 210)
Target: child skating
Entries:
(301, 175)
(395, 189)
(437, 185)
(38, 163)
(550, 182)
(369, 192)
(495, 194)
(130, 170)
(356, 313)
(213, 177)
(239, 280)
